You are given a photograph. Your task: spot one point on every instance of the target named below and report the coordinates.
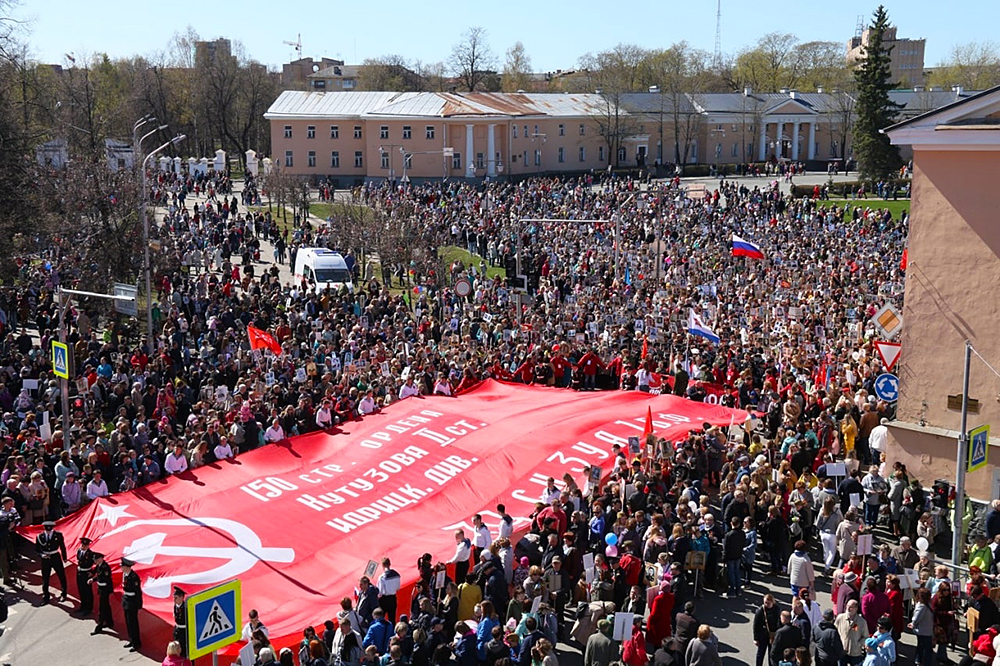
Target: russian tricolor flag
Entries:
(744, 248)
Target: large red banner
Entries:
(297, 521)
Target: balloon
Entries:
(611, 551)
(923, 544)
(611, 538)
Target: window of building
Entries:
(582, 129)
(642, 129)
(538, 158)
(407, 132)
(319, 84)
(429, 132)
(347, 83)
(383, 132)
(357, 131)
(311, 132)
(718, 150)
(659, 151)
(288, 158)
(526, 158)
(600, 153)
(335, 159)
(496, 159)
(736, 150)
(562, 154)
(385, 160)
(694, 152)
(734, 127)
(456, 160)
(583, 154)
(515, 131)
(525, 131)
(536, 130)
(749, 149)
(359, 159)
(311, 158)
(480, 161)
(833, 148)
(334, 132)
(622, 155)
(288, 131)
(562, 130)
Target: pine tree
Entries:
(874, 111)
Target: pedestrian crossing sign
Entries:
(979, 447)
(213, 618)
(60, 359)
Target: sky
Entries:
(555, 33)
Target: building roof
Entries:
(311, 104)
(946, 101)
(294, 104)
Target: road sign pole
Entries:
(963, 460)
(64, 381)
(215, 658)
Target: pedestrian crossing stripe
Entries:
(218, 623)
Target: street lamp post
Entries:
(65, 296)
(145, 241)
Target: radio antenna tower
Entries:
(717, 58)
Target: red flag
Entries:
(903, 261)
(645, 348)
(648, 430)
(263, 340)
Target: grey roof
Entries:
(293, 104)
(930, 110)
(313, 104)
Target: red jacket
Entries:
(590, 364)
(658, 624)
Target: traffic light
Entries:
(510, 265)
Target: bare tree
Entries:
(472, 60)
(975, 66)
(389, 72)
(613, 74)
(516, 70)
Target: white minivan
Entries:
(322, 268)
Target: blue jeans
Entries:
(871, 513)
(734, 576)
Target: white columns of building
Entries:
(470, 168)
(795, 140)
(777, 139)
(762, 154)
(811, 152)
(491, 165)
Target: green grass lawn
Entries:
(897, 207)
(452, 253)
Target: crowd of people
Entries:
(616, 271)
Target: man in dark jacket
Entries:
(686, 630)
(732, 553)
(826, 638)
(788, 636)
(765, 621)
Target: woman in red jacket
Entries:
(658, 626)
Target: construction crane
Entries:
(297, 44)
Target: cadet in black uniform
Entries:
(84, 568)
(102, 576)
(180, 620)
(51, 548)
(131, 603)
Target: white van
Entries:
(322, 268)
